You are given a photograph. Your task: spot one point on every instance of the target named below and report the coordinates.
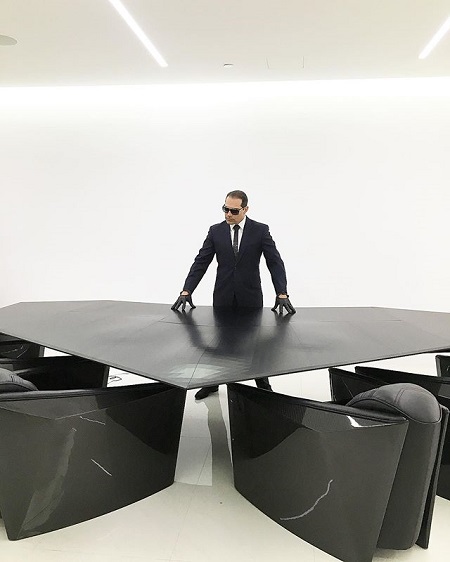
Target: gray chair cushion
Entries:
(410, 400)
(12, 383)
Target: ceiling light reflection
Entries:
(353, 422)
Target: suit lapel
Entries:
(246, 235)
(226, 234)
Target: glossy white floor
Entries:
(201, 518)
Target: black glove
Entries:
(281, 303)
(181, 301)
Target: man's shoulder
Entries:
(218, 226)
(256, 224)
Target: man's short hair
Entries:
(238, 194)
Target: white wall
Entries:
(108, 193)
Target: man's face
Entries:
(233, 203)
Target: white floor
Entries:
(202, 518)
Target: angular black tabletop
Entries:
(208, 346)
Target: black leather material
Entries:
(344, 479)
(345, 384)
(13, 383)
(205, 392)
(405, 511)
(405, 399)
(59, 373)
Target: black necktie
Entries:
(236, 239)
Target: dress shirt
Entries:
(241, 228)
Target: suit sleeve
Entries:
(201, 264)
(274, 263)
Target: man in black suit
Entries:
(238, 244)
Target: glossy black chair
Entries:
(64, 372)
(443, 365)
(67, 456)
(345, 478)
(11, 347)
(346, 384)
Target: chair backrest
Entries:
(345, 385)
(439, 386)
(443, 365)
(432, 383)
(59, 373)
(133, 431)
(14, 347)
(416, 477)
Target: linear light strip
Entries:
(137, 30)
(435, 39)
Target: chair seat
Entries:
(10, 382)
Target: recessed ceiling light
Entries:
(5, 40)
(137, 30)
(228, 65)
(435, 39)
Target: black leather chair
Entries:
(60, 372)
(9, 382)
(346, 478)
(67, 456)
(11, 347)
(345, 384)
(443, 365)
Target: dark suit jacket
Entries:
(238, 279)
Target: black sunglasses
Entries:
(232, 211)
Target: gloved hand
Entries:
(283, 302)
(181, 301)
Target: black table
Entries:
(78, 439)
(207, 346)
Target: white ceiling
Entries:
(85, 42)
